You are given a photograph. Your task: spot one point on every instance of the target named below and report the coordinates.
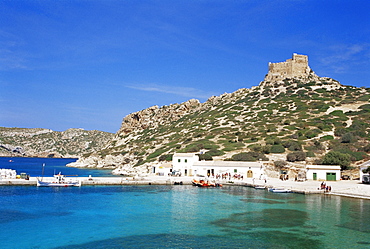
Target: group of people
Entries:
(284, 177)
(325, 187)
(226, 176)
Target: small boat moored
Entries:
(260, 187)
(202, 183)
(58, 181)
(280, 190)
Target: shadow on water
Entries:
(267, 218)
(278, 239)
(256, 224)
(16, 216)
(263, 201)
(170, 241)
(273, 239)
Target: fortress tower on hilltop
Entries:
(291, 68)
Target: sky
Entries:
(87, 64)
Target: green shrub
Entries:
(310, 154)
(156, 153)
(266, 149)
(338, 113)
(248, 156)
(366, 148)
(280, 164)
(167, 157)
(194, 148)
(296, 156)
(365, 107)
(339, 131)
(337, 158)
(255, 147)
(205, 156)
(292, 145)
(348, 138)
(277, 148)
(364, 98)
(215, 152)
(311, 134)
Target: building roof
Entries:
(227, 164)
(165, 165)
(365, 165)
(323, 167)
(185, 154)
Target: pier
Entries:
(114, 180)
(350, 188)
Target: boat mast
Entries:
(42, 175)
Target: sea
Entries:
(173, 216)
(48, 167)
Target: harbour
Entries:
(178, 216)
(349, 188)
(109, 211)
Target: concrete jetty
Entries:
(114, 180)
(349, 188)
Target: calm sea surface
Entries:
(33, 166)
(178, 217)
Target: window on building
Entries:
(235, 170)
(186, 160)
(178, 160)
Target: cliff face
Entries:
(47, 143)
(292, 106)
(154, 116)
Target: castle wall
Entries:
(295, 67)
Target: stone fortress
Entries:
(291, 68)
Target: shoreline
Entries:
(346, 188)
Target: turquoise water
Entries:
(177, 217)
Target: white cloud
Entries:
(343, 57)
(176, 90)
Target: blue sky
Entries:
(87, 64)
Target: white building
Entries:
(363, 166)
(162, 169)
(323, 172)
(245, 169)
(183, 163)
(8, 174)
(189, 165)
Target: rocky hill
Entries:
(47, 143)
(293, 115)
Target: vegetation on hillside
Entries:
(304, 120)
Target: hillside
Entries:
(292, 115)
(47, 143)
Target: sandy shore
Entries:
(343, 188)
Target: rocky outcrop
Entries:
(154, 116)
(47, 143)
(11, 149)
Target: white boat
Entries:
(260, 187)
(280, 190)
(58, 181)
